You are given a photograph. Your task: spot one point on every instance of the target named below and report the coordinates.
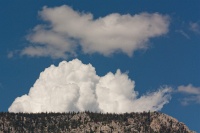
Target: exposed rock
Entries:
(88, 122)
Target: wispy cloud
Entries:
(10, 54)
(189, 89)
(183, 33)
(14, 53)
(67, 29)
(192, 94)
(195, 27)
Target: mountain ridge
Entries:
(90, 122)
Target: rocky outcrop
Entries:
(160, 121)
(88, 122)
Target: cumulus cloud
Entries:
(193, 94)
(74, 86)
(65, 30)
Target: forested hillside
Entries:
(89, 122)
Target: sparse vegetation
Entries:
(90, 122)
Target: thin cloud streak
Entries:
(192, 94)
(183, 33)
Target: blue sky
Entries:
(170, 58)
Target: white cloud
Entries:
(195, 27)
(192, 92)
(190, 99)
(189, 89)
(66, 29)
(74, 86)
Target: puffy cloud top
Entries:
(67, 29)
(74, 86)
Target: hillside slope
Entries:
(88, 122)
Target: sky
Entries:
(101, 56)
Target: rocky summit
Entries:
(90, 122)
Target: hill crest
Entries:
(90, 122)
